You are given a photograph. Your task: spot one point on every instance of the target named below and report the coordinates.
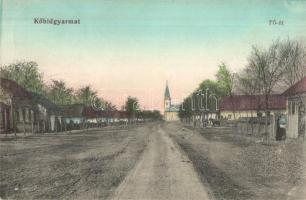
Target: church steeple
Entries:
(167, 92)
(167, 98)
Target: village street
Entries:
(163, 172)
(151, 161)
(87, 164)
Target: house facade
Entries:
(239, 106)
(73, 116)
(291, 103)
(105, 117)
(24, 111)
(296, 106)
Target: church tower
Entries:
(167, 98)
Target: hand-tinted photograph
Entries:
(153, 100)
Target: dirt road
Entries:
(162, 172)
(85, 165)
(235, 167)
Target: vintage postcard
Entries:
(153, 99)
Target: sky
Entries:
(132, 47)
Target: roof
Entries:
(20, 93)
(40, 99)
(90, 112)
(298, 88)
(253, 102)
(167, 92)
(3, 105)
(14, 89)
(74, 110)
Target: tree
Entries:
(131, 106)
(185, 111)
(226, 80)
(149, 115)
(108, 106)
(195, 103)
(293, 54)
(267, 68)
(59, 93)
(25, 74)
(248, 85)
(85, 95)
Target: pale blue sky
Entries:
(119, 40)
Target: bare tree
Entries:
(248, 85)
(267, 66)
(293, 54)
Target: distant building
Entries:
(103, 116)
(74, 116)
(251, 106)
(170, 110)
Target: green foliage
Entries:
(108, 106)
(131, 106)
(25, 74)
(85, 95)
(185, 109)
(196, 102)
(225, 79)
(149, 115)
(59, 93)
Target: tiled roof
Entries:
(15, 89)
(297, 88)
(20, 93)
(253, 102)
(74, 110)
(90, 112)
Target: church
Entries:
(170, 110)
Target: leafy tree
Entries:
(85, 95)
(25, 74)
(108, 106)
(213, 89)
(185, 111)
(196, 102)
(59, 93)
(131, 106)
(226, 80)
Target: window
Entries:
(229, 116)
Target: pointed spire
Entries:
(167, 91)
